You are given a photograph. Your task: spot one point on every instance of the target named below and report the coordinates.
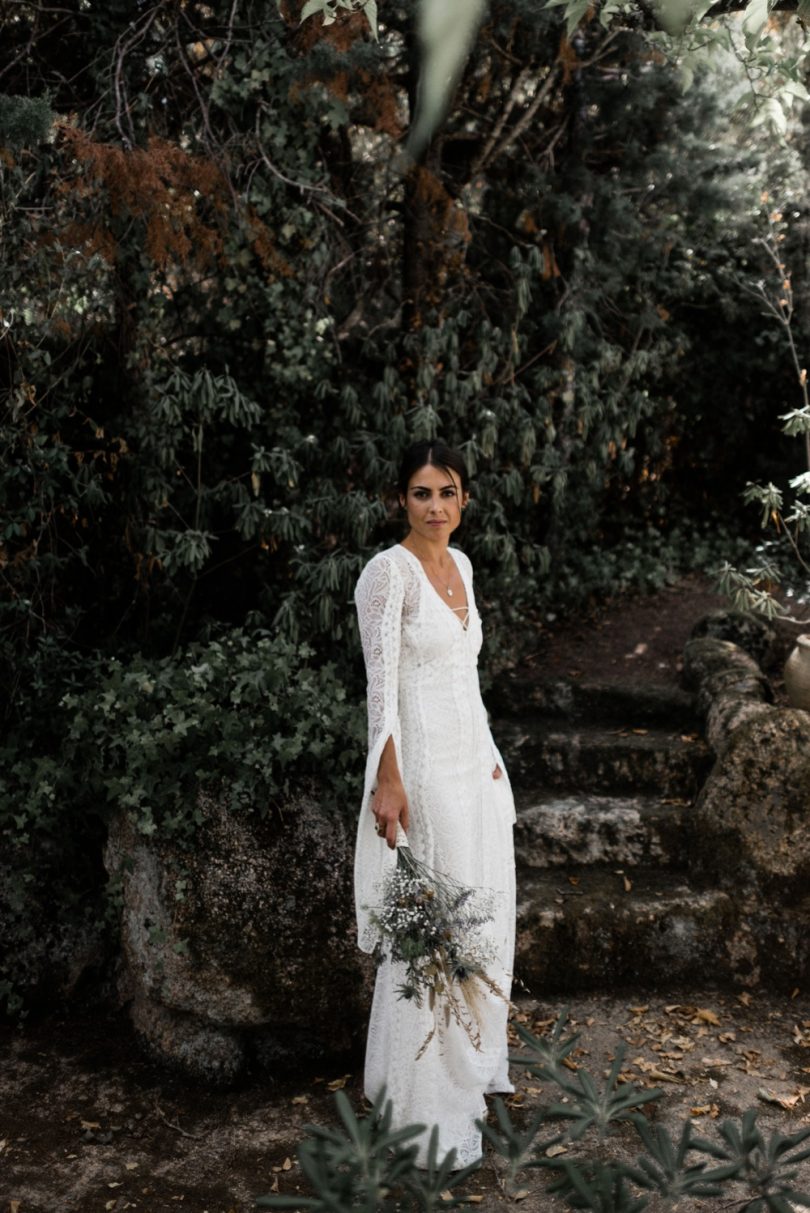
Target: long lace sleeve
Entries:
(379, 597)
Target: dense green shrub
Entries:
(246, 716)
(225, 316)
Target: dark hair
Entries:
(437, 454)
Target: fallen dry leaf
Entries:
(337, 1084)
(556, 1151)
(13, 1206)
(539, 1025)
(287, 1164)
(639, 1010)
(89, 1124)
(782, 1101)
(707, 1017)
(131, 1166)
(716, 1061)
(744, 998)
(521, 1194)
(628, 884)
(301, 1099)
(573, 880)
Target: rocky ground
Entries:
(88, 1123)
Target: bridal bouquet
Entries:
(432, 924)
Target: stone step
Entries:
(520, 696)
(559, 829)
(585, 930)
(560, 754)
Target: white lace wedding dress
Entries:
(421, 662)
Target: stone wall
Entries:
(240, 950)
(750, 828)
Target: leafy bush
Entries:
(247, 715)
(366, 1165)
(370, 1168)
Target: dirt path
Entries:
(629, 638)
(89, 1125)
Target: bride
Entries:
(434, 774)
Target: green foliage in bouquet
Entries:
(434, 926)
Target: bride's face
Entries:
(434, 502)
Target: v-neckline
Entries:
(464, 626)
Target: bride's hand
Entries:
(390, 808)
(497, 773)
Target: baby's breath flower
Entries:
(435, 927)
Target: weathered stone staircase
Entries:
(604, 780)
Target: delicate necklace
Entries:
(435, 577)
(431, 575)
